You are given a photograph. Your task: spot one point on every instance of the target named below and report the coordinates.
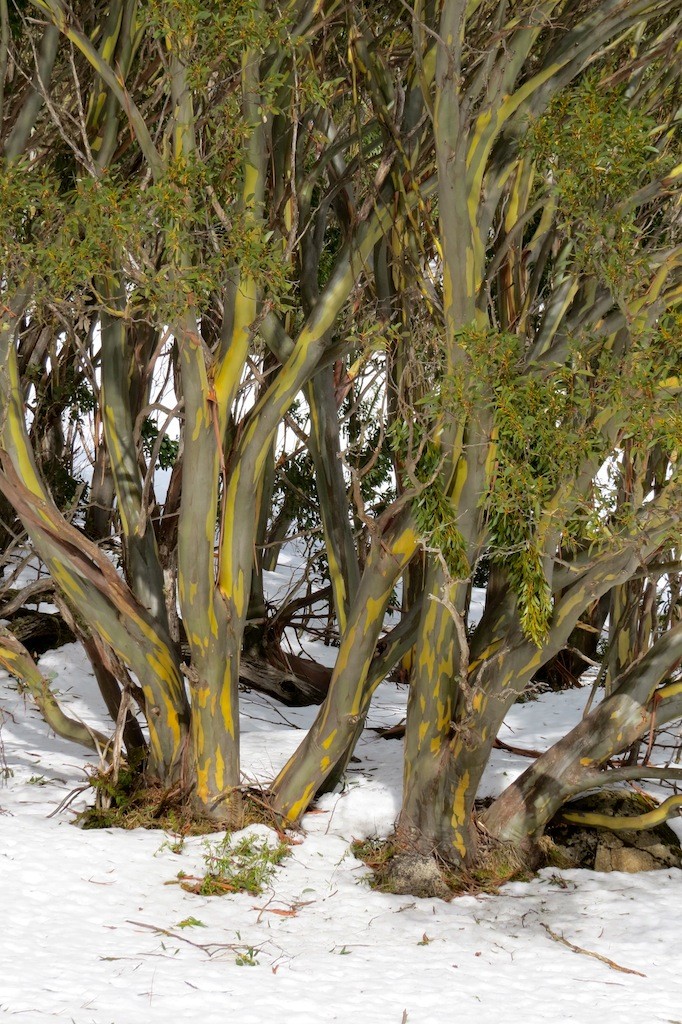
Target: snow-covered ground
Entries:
(92, 933)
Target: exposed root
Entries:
(584, 837)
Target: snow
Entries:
(93, 933)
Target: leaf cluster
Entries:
(594, 150)
(168, 449)
(161, 238)
(435, 517)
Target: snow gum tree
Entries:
(468, 209)
(157, 163)
(549, 267)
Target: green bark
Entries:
(345, 707)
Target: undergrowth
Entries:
(246, 866)
(131, 802)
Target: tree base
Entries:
(406, 872)
(396, 869)
(135, 801)
(411, 874)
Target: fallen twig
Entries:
(588, 952)
(210, 948)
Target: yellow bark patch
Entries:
(407, 661)
(531, 665)
(461, 473)
(203, 790)
(459, 813)
(427, 659)
(23, 458)
(339, 585)
(226, 708)
(171, 720)
(106, 636)
(485, 654)
(155, 664)
(229, 372)
(219, 770)
(506, 680)
(405, 544)
(66, 580)
(427, 654)
(459, 802)
(568, 605)
(374, 607)
(671, 690)
(297, 809)
(226, 574)
(260, 460)
(471, 269)
(326, 743)
(458, 844)
(444, 714)
(200, 423)
(347, 645)
(201, 695)
(212, 621)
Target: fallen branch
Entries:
(499, 744)
(588, 952)
(396, 732)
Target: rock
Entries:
(626, 850)
(410, 874)
(664, 855)
(628, 859)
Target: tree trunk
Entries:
(571, 765)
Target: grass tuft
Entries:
(246, 866)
